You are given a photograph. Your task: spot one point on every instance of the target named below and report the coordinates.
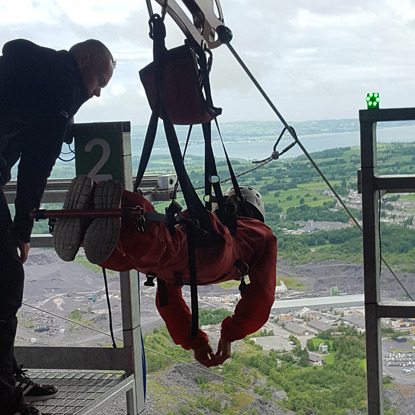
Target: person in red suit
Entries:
(154, 249)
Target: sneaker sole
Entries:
(25, 412)
(68, 233)
(102, 234)
(28, 399)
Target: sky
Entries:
(316, 59)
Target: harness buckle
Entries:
(243, 269)
(150, 280)
(178, 279)
(138, 217)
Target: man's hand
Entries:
(204, 355)
(224, 351)
(23, 248)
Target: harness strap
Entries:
(235, 185)
(162, 292)
(191, 250)
(225, 216)
(195, 206)
(200, 219)
(155, 217)
(147, 148)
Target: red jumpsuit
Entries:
(159, 252)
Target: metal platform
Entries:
(81, 392)
(91, 378)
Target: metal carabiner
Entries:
(242, 267)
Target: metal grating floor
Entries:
(80, 392)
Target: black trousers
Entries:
(11, 295)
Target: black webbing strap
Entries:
(210, 165)
(228, 218)
(162, 292)
(147, 148)
(159, 51)
(191, 251)
(200, 219)
(194, 204)
(205, 67)
(162, 287)
(235, 185)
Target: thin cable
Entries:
(66, 160)
(239, 174)
(189, 132)
(67, 319)
(291, 131)
(260, 89)
(146, 348)
(193, 365)
(71, 151)
(306, 153)
(114, 344)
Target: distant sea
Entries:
(258, 150)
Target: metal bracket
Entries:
(207, 28)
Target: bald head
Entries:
(96, 64)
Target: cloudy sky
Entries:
(316, 59)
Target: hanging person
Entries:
(152, 248)
(41, 89)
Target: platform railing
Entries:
(373, 186)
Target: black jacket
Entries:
(40, 91)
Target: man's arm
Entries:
(40, 151)
(53, 96)
(23, 248)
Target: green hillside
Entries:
(294, 192)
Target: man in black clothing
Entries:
(41, 89)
